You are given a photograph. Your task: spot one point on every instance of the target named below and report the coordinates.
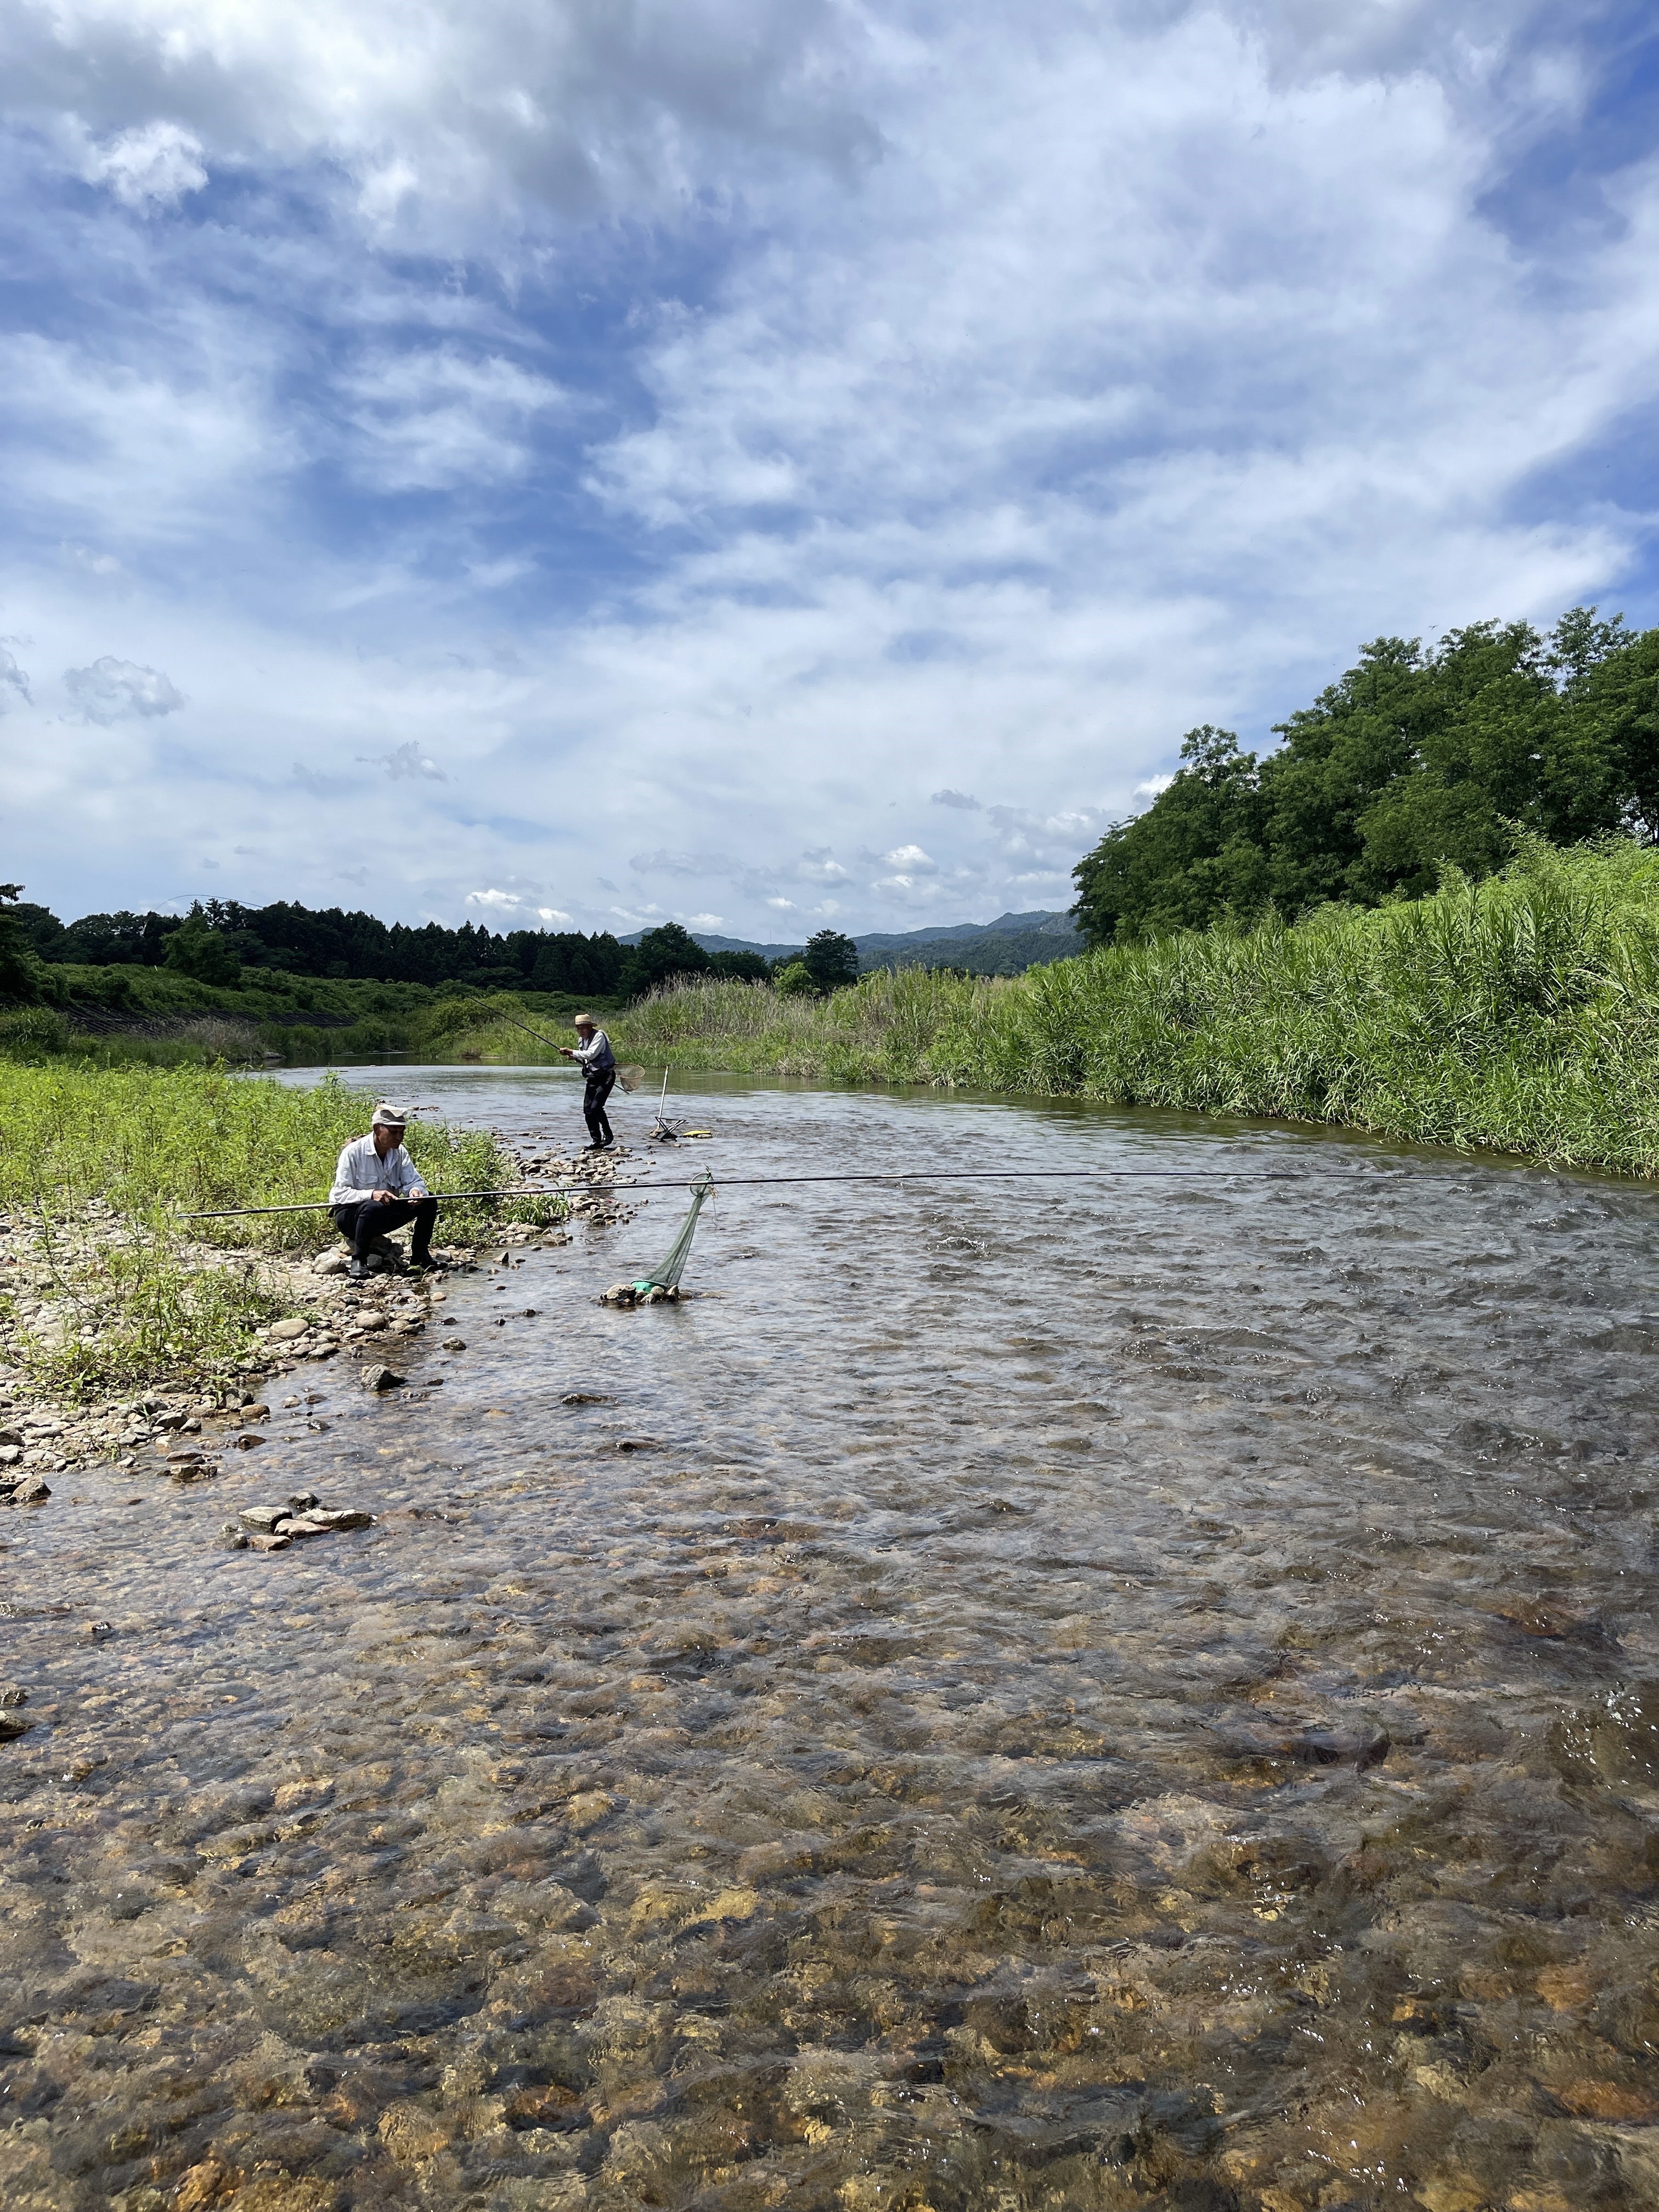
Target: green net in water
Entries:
(665, 1275)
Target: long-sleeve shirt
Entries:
(361, 1172)
(596, 1056)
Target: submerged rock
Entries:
(381, 1378)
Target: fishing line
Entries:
(752, 1182)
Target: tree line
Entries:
(1413, 762)
(218, 938)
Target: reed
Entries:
(1520, 1013)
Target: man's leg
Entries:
(593, 1109)
(424, 1215)
(603, 1089)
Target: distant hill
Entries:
(1007, 947)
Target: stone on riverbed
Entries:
(453, 1344)
(381, 1378)
(263, 1519)
(244, 1442)
(284, 1332)
(31, 1490)
(269, 1543)
(12, 1725)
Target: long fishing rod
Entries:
(750, 1182)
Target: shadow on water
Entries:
(1119, 1694)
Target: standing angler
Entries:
(376, 1188)
(599, 1065)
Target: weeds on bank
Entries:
(96, 1166)
(1520, 1013)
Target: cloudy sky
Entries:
(772, 462)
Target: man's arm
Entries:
(345, 1191)
(409, 1176)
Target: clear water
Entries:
(1111, 1694)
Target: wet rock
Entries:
(13, 1693)
(380, 1379)
(302, 1500)
(97, 1630)
(454, 1344)
(342, 1518)
(259, 1543)
(170, 1420)
(233, 1538)
(301, 1524)
(31, 1490)
(262, 1518)
(245, 1443)
(585, 1398)
(12, 1725)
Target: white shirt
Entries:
(361, 1172)
(596, 1056)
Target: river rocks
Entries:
(11, 1437)
(381, 1378)
(454, 1343)
(244, 1442)
(11, 1455)
(283, 1332)
(330, 1263)
(12, 1725)
(619, 1294)
(233, 1538)
(274, 1528)
(27, 1490)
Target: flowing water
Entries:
(1120, 1694)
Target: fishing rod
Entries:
(750, 1182)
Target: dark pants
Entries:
(366, 1218)
(596, 1090)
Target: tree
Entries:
(196, 949)
(741, 967)
(831, 960)
(794, 981)
(662, 955)
(1413, 760)
(20, 976)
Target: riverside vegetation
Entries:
(1520, 1013)
(96, 1166)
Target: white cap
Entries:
(388, 1117)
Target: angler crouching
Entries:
(377, 1188)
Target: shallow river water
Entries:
(1126, 1693)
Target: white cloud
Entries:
(554, 915)
(1153, 786)
(405, 760)
(111, 689)
(437, 420)
(704, 920)
(149, 167)
(501, 902)
(12, 677)
(908, 856)
(962, 800)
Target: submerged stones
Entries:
(274, 1528)
(380, 1379)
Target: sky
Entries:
(777, 465)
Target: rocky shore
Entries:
(168, 1424)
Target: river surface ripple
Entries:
(1138, 1693)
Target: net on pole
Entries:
(665, 1275)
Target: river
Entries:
(1121, 1693)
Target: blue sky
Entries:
(771, 465)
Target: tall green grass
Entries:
(1520, 1013)
(97, 1166)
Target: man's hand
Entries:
(384, 1197)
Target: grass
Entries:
(122, 1152)
(1520, 1013)
(153, 1017)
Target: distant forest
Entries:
(1413, 762)
(219, 937)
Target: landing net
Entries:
(666, 1276)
